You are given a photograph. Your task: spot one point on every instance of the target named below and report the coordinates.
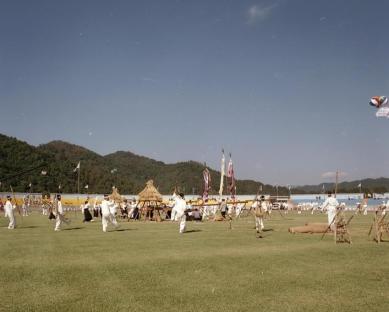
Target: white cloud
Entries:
(148, 79)
(258, 13)
(332, 174)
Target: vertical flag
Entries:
(231, 176)
(222, 174)
(207, 183)
(78, 167)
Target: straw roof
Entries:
(150, 193)
(115, 195)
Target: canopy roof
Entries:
(150, 193)
(115, 195)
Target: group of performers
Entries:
(180, 210)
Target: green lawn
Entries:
(150, 267)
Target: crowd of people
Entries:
(178, 209)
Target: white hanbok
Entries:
(260, 209)
(108, 211)
(132, 209)
(9, 213)
(238, 209)
(60, 217)
(330, 205)
(180, 207)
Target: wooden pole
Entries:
(78, 181)
(336, 182)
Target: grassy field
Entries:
(150, 267)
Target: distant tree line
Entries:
(55, 163)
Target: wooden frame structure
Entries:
(379, 226)
(341, 231)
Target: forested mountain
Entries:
(379, 185)
(127, 171)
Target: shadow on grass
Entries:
(29, 227)
(122, 230)
(267, 230)
(381, 241)
(192, 231)
(73, 228)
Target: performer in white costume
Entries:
(179, 208)
(60, 217)
(260, 208)
(108, 211)
(330, 205)
(9, 213)
(133, 212)
(25, 206)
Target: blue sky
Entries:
(283, 85)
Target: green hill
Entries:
(379, 185)
(127, 171)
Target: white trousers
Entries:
(238, 210)
(108, 218)
(11, 218)
(259, 223)
(182, 220)
(59, 220)
(331, 216)
(173, 216)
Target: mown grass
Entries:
(150, 267)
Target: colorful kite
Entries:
(381, 103)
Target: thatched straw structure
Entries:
(150, 193)
(115, 195)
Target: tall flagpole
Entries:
(78, 168)
(336, 182)
(78, 180)
(222, 173)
